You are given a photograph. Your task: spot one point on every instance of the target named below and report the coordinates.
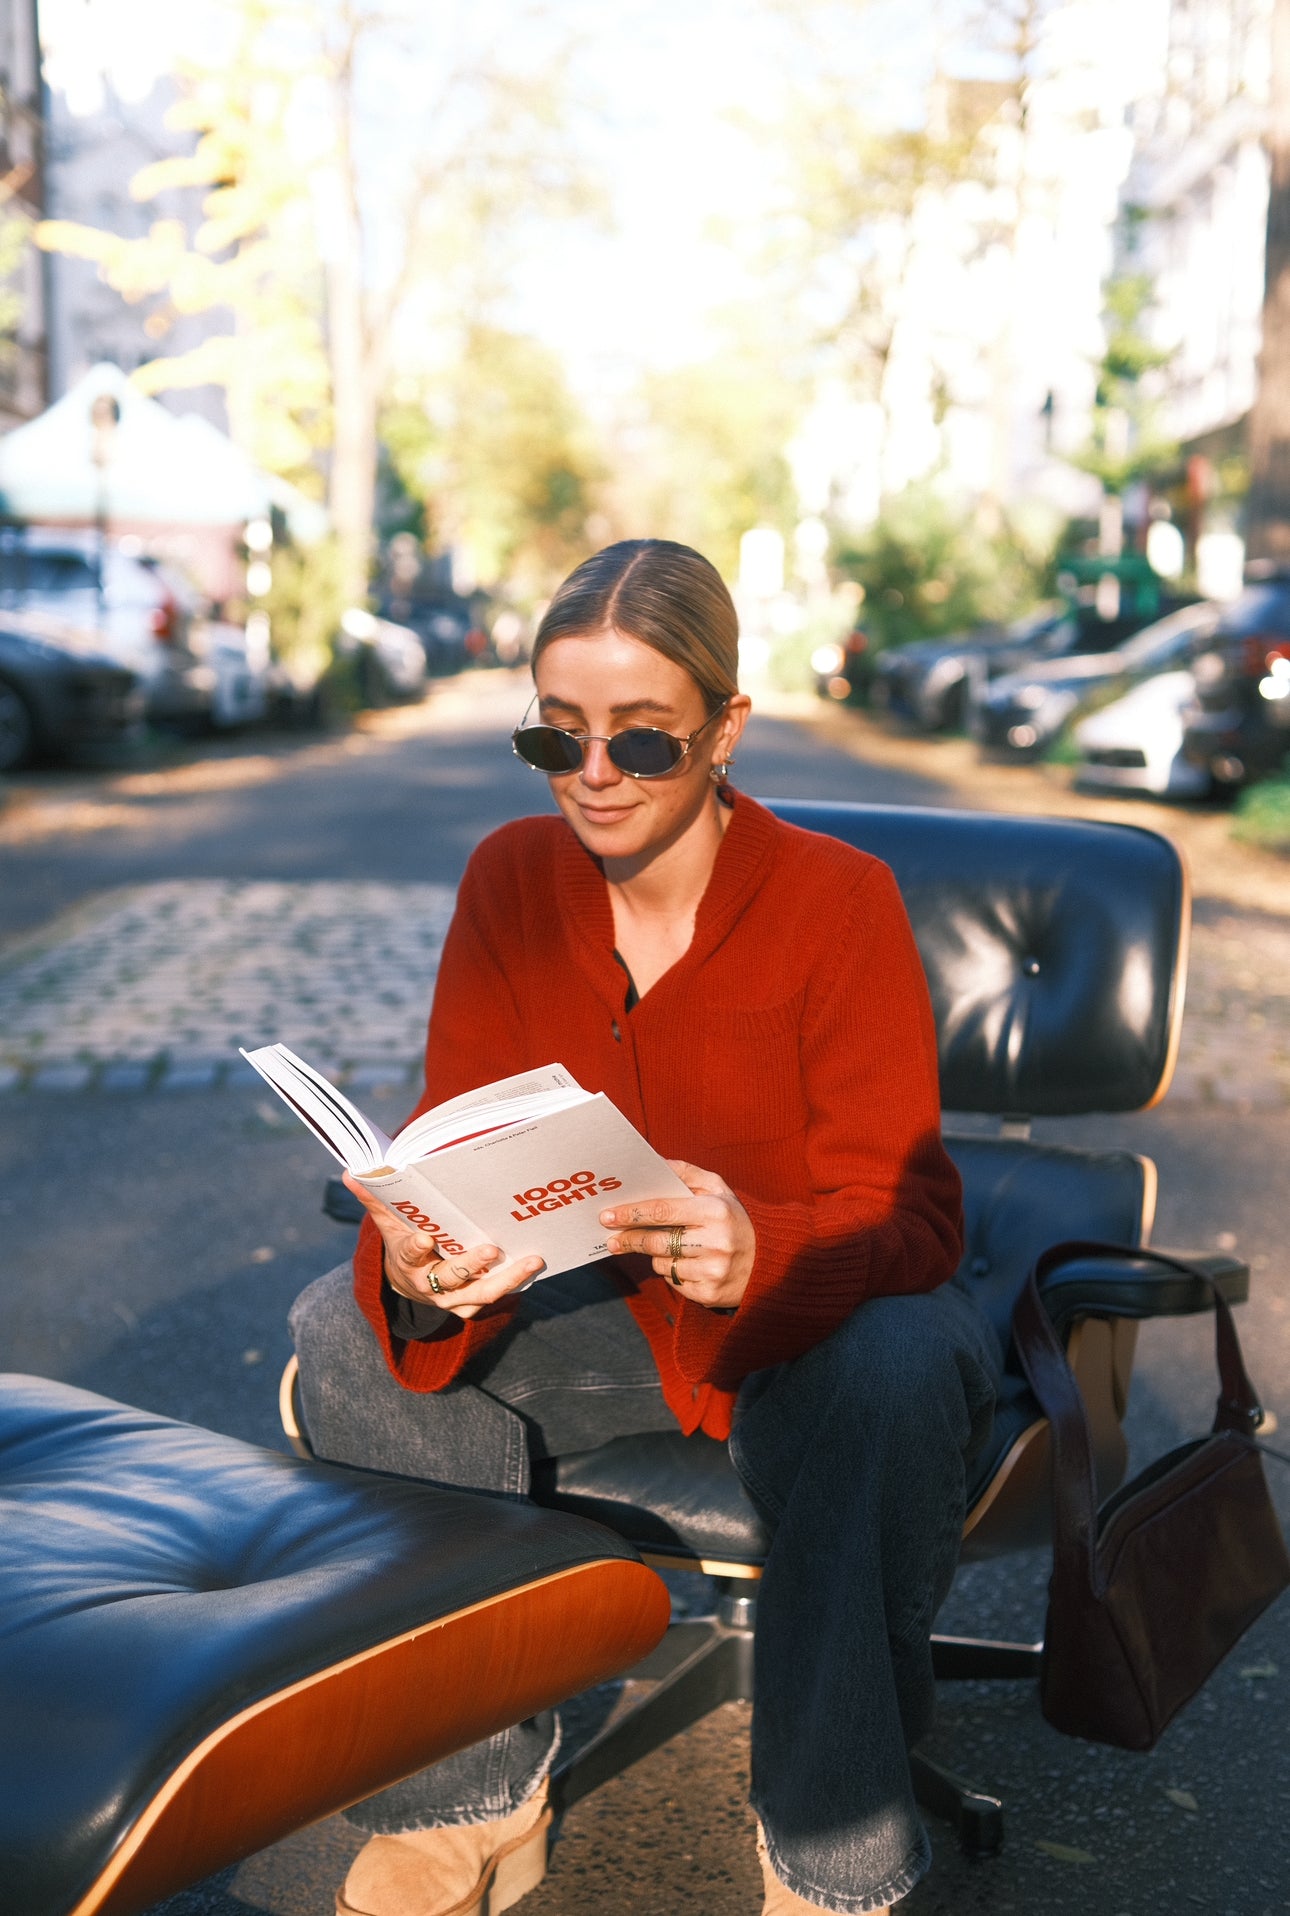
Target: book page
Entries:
(524, 1084)
(436, 1130)
(350, 1137)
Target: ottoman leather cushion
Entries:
(157, 1579)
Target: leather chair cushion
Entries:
(679, 1496)
(155, 1579)
(1050, 947)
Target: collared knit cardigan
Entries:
(791, 1050)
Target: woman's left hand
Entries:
(718, 1246)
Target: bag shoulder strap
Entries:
(1053, 1383)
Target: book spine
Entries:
(411, 1195)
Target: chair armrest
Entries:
(1131, 1287)
(340, 1204)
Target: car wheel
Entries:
(17, 732)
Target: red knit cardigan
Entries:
(791, 1050)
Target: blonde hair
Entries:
(665, 595)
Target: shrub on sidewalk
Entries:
(930, 566)
(1263, 815)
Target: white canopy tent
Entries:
(160, 470)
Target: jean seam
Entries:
(598, 1385)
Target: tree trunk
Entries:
(1268, 524)
(352, 489)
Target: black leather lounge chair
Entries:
(1056, 956)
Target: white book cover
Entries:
(527, 1163)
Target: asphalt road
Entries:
(151, 1246)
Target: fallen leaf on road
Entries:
(252, 1357)
(1183, 1798)
(1063, 1853)
(1255, 1672)
(263, 1256)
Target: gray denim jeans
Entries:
(855, 1453)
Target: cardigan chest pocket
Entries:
(750, 1088)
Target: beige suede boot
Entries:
(779, 1899)
(470, 1869)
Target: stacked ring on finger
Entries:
(676, 1243)
(432, 1272)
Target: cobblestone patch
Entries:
(1236, 1027)
(155, 987)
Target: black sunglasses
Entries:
(641, 752)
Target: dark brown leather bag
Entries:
(1148, 1594)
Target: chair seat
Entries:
(163, 1591)
(681, 1497)
(667, 1494)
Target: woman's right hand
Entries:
(467, 1281)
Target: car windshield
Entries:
(1034, 625)
(1169, 637)
(1058, 639)
(41, 572)
(1260, 608)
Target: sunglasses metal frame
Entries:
(584, 739)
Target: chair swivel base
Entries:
(701, 1665)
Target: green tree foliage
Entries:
(502, 460)
(319, 244)
(703, 455)
(929, 567)
(1126, 443)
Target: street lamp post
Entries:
(105, 416)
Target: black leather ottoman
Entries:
(205, 1645)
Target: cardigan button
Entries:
(618, 1036)
(668, 1315)
(694, 1393)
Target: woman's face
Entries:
(607, 683)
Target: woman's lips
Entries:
(605, 814)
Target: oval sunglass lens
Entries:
(644, 752)
(548, 749)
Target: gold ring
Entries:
(432, 1273)
(673, 1276)
(676, 1243)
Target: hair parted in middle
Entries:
(668, 596)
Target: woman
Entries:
(749, 994)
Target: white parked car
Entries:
(1135, 745)
(146, 615)
(397, 656)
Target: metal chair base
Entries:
(699, 1666)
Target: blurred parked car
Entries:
(142, 618)
(237, 659)
(392, 657)
(1135, 744)
(1022, 713)
(844, 669)
(57, 692)
(930, 682)
(1238, 724)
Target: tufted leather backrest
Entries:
(1055, 950)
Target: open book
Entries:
(527, 1163)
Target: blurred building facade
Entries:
(1197, 197)
(991, 379)
(23, 364)
(97, 141)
